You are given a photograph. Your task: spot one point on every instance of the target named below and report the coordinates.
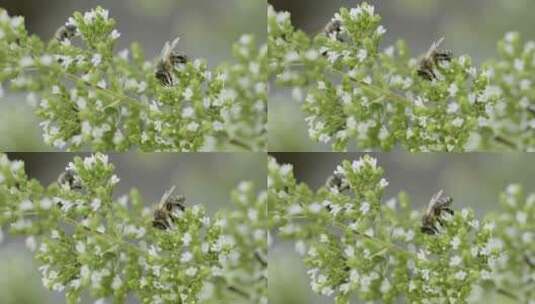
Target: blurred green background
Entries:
(470, 26)
(473, 180)
(204, 178)
(208, 29)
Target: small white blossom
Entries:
(117, 283)
(96, 59)
(314, 207)
(115, 34)
(455, 242)
(186, 257)
(364, 207)
(191, 271)
(455, 261)
(95, 204)
(460, 275)
(31, 243)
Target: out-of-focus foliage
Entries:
(17, 128)
(89, 96)
(19, 281)
(85, 240)
(355, 244)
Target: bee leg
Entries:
(428, 230)
(449, 210)
(426, 74)
(159, 225)
(172, 218)
(177, 58)
(443, 56)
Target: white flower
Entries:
(455, 261)
(56, 90)
(380, 30)
(80, 247)
(457, 122)
(312, 55)
(453, 108)
(102, 84)
(26, 205)
(31, 243)
(385, 286)
(490, 226)
(115, 34)
(314, 207)
(191, 271)
(117, 283)
(114, 179)
(292, 56)
(455, 242)
(96, 59)
(188, 93)
(95, 204)
(81, 103)
(362, 54)
(364, 207)
(26, 61)
(188, 112)
(186, 257)
(355, 13)
(383, 183)
(75, 283)
(285, 169)
(217, 125)
(453, 89)
(300, 247)
(186, 239)
(192, 126)
(460, 275)
(521, 217)
(519, 65)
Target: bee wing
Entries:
(174, 43)
(165, 50)
(434, 46)
(434, 199)
(167, 194)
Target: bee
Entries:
(337, 181)
(165, 213)
(431, 59)
(169, 58)
(333, 29)
(65, 32)
(438, 204)
(69, 179)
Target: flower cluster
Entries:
(354, 90)
(85, 240)
(246, 227)
(356, 243)
(91, 96)
(515, 270)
